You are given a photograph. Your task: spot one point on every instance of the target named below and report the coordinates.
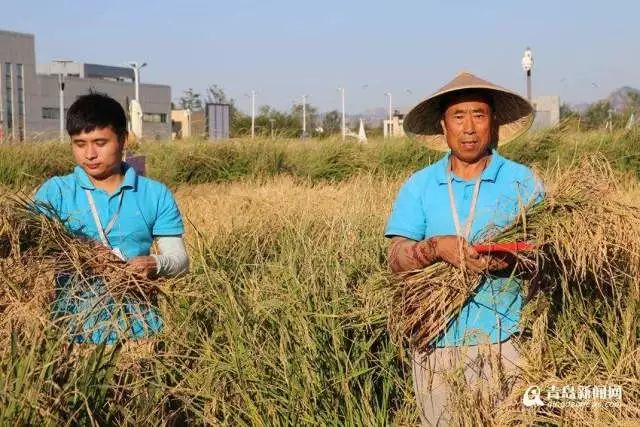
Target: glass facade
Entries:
(21, 107)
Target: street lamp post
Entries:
(527, 66)
(390, 127)
(61, 72)
(135, 107)
(253, 113)
(304, 116)
(344, 128)
(136, 76)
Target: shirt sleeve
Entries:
(168, 220)
(173, 259)
(407, 217)
(530, 190)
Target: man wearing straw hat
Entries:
(444, 208)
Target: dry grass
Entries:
(588, 235)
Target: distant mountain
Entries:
(621, 98)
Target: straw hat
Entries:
(513, 113)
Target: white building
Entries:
(394, 128)
(547, 110)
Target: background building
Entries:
(394, 128)
(547, 111)
(30, 94)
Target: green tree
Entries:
(332, 122)
(190, 100)
(596, 115)
(312, 118)
(566, 112)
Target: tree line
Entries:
(268, 121)
(602, 114)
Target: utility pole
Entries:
(390, 126)
(253, 114)
(304, 116)
(136, 76)
(61, 73)
(135, 106)
(527, 66)
(344, 128)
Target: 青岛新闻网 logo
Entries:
(532, 397)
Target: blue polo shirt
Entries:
(422, 210)
(147, 210)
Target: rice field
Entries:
(283, 319)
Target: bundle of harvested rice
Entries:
(37, 250)
(583, 233)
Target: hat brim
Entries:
(513, 113)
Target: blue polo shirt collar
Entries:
(130, 178)
(489, 174)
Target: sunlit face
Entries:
(98, 152)
(467, 122)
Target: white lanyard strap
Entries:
(96, 218)
(472, 208)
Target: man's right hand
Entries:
(455, 250)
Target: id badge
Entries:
(117, 252)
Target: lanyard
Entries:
(103, 231)
(472, 208)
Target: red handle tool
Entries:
(504, 247)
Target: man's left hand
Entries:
(143, 265)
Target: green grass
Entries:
(196, 162)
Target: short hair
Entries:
(96, 111)
(456, 96)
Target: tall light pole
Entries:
(527, 66)
(135, 106)
(344, 128)
(388, 94)
(61, 72)
(253, 113)
(136, 76)
(304, 116)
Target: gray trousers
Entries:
(484, 367)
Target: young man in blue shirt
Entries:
(105, 200)
(444, 208)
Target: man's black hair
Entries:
(96, 111)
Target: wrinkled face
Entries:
(98, 152)
(468, 125)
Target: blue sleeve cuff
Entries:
(176, 231)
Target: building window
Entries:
(8, 97)
(154, 117)
(21, 106)
(50, 113)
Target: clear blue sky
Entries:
(582, 49)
